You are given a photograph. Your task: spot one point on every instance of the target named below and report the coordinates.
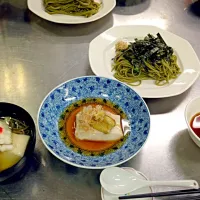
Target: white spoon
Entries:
(118, 181)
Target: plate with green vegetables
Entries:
(155, 62)
(71, 11)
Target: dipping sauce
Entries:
(195, 124)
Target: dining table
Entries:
(37, 55)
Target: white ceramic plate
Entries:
(102, 50)
(108, 196)
(36, 6)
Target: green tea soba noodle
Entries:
(85, 8)
(145, 59)
(162, 72)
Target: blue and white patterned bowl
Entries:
(93, 87)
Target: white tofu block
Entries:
(20, 143)
(115, 134)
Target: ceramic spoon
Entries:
(118, 181)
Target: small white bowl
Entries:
(192, 108)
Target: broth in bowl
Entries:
(195, 124)
(18, 137)
(14, 138)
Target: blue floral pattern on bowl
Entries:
(93, 87)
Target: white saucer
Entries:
(108, 196)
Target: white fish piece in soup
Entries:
(5, 133)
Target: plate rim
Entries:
(70, 22)
(90, 167)
(134, 88)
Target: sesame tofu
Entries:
(87, 130)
